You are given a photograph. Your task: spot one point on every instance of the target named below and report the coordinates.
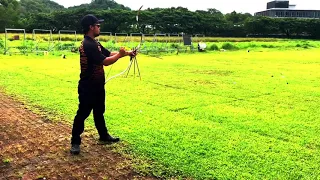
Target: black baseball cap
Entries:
(90, 20)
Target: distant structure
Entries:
(282, 8)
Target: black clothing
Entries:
(91, 89)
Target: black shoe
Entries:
(109, 139)
(75, 149)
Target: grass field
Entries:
(224, 115)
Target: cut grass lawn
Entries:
(228, 115)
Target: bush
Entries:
(213, 47)
(29, 43)
(65, 46)
(174, 46)
(267, 46)
(253, 45)
(229, 46)
(307, 45)
(1, 43)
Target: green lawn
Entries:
(230, 115)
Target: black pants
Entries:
(91, 97)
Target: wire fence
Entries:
(17, 41)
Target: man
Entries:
(93, 56)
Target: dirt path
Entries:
(32, 147)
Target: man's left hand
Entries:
(132, 53)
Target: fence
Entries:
(42, 40)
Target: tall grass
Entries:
(148, 38)
(150, 44)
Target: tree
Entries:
(46, 14)
(313, 28)
(262, 26)
(38, 6)
(101, 5)
(9, 13)
(237, 18)
(215, 12)
(210, 22)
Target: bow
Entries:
(136, 49)
(119, 73)
(137, 19)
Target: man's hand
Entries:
(122, 51)
(132, 53)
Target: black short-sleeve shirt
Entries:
(92, 55)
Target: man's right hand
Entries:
(114, 57)
(122, 51)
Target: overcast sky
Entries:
(225, 6)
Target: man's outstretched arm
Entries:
(111, 59)
(114, 56)
(128, 53)
(113, 53)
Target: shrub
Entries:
(213, 47)
(229, 46)
(253, 45)
(307, 45)
(174, 45)
(65, 46)
(1, 43)
(267, 46)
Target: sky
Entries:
(225, 6)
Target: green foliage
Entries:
(174, 46)
(101, 5)
(267, 46)
(8, 13)
(306, 45)
(46, 14)
(213, 47)
(38, 6)
(237, 18)
(29, 43)
(1, 43)
(149, 46)
(65, 46)
(229, 46)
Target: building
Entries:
(282, 8)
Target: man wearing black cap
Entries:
(93, 56)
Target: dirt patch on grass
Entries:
(33, 147)
(213, 72)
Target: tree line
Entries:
(45, 14)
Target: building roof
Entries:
(279, 0)
(290, 9)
